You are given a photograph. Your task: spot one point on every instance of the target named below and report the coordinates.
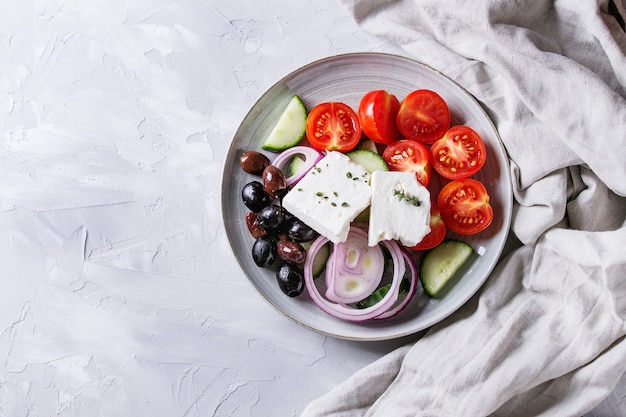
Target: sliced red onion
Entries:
(354, 270)
(311, 157)
(412, 287)
(346, 312)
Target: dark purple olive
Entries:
(300, 232)
(264, 251)
(291, 252)
(271, 217)
(290, 279)
(274, 181)
(254, 196)
(253, 162)
(253, 225)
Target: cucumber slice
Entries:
(368, 144)
(441, 264)
(321, 257)
(370, 160)
(295, 165)
(319, 263)
(290, 128)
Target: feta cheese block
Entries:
(330, 196)
(400, 208)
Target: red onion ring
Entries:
(339, 270)
(345, 312)
(311, 157)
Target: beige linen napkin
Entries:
(546, 334)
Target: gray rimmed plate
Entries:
(347, 78)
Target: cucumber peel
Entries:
(321, 258)
(289, 129)
(368, 159)
(441, 265)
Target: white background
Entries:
(119, 294)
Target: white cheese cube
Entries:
(400, 208)
(330, 196)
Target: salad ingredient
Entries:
(264, 251)
(271, 217)
(290, 279)
(347, 312)
(253, 225)
(333, 126)
(377, 295)
(274, 182)
(320, 259)
(254, 196)
(291, 252)
(377, 113)
(400, 208)
(367, 144)
(464, 206)
(295, 162)
(330, 196)
(405, 294)
(370, 160)
(253, 162)
(441, 264)
(423, 116)
(437, 230)
(459, 154)
(290, 128)
(409, 156)
(354, 270)
(298, 231)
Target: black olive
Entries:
(254, 196)
(264, 251)
(290, 279)
(271, 217)
(300, 232)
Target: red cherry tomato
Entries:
(377, 113)
(333, 126)
(464, 206)
(423, 116)
(459, 154)
(437, 230)
(411, 156)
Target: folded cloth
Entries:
(545, 336)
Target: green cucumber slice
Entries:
(289, 129)
(370, 160)
(296, 165)
(441, 264)
(321, 257)
(319, 263)
(368, 144)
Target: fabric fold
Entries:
(545, 336)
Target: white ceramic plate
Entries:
(347, 78)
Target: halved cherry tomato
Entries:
(437, 230)
(410, 156)
(459, 154)
(377, 113)
(423, 116)
(333, 126)
(464, 206)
